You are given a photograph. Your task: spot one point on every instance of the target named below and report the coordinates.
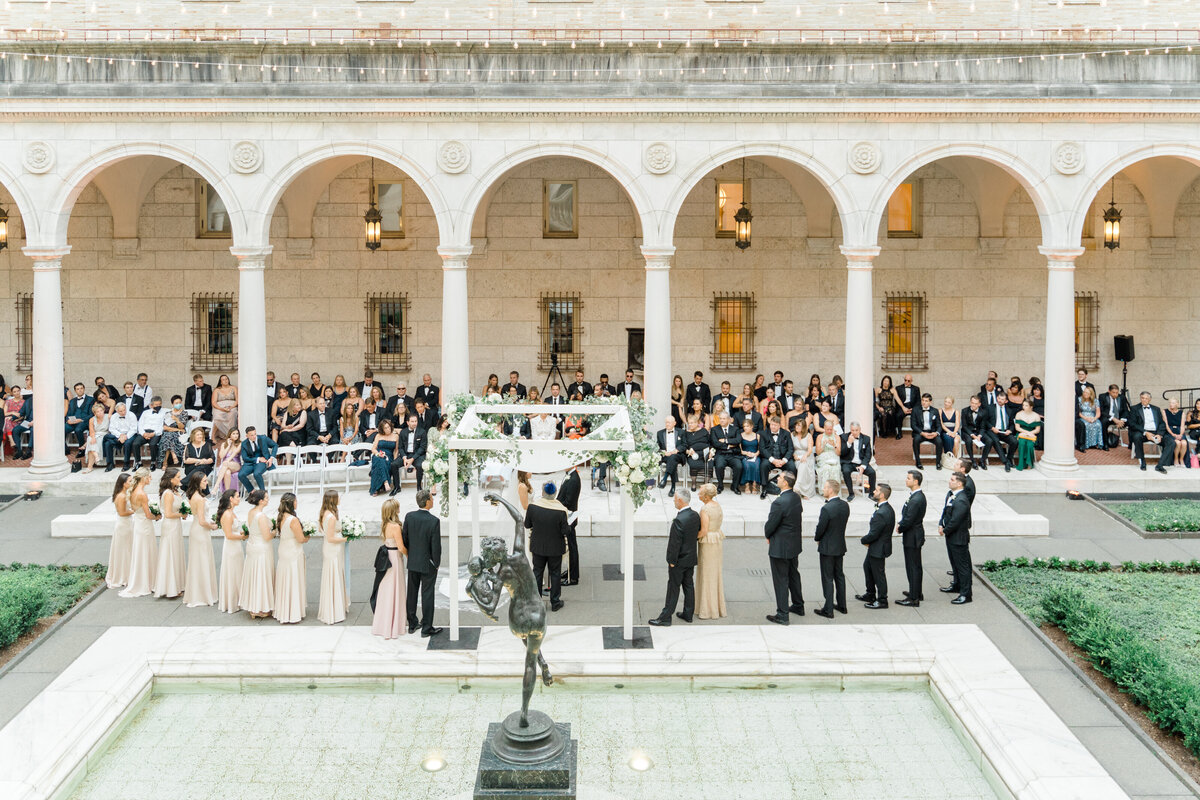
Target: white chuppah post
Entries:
(627, 561)
(475, 515)
(452, 486)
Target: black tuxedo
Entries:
(956, 527)
(727, 399)
(634, 386)
(205, 407)
(774, 445)
(1004, 438)
(784, 530)
(1138, 430)
(508, 387)
(431, 394)
(364, 423)
(831, 548)
(863, 446)
(584, 389)
(364, 388)
(971, 423)
(417, 454)
(918, 425)
(133, 404)
(910, 396)
(568, 495)
(524, 432)
(428, 419)
(693, 392)
(398, 409)
(671, 463)
(726, 452)
(791, 402)
(912, 537)
(837, 405)
(682, 557)
(740, 416)
(272, 396)
(422, 535)
(314, 426)
(547, 541)
(879, 547)
(1079, 387)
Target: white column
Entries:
(1059, 454)
(252, 337)
(49, 462)
(456, 348)
(860, 335)
(656, 380)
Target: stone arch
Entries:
(1082, 204)
(26, 208)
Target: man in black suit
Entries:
(322, 423)
(431, 394)
(926, 427)
(568, 495)
(964, 467)
(1114, 415)
(364, 386)
(1000, 434)
(830, 537)
(784, 530)
(725, 398)
(198, 397)
(673, 445)
(514, 387)
(1081, 382)
(775, 451)
(133, 402)
(955, 525)
(546, 519)
(295, 386)
(747, 412)
(627, 387)
(726, 441)
(1147, 424)
(682, 556)
(603, 389)
(989, 393)
(777, 385)
(789, 401)
(912, 537)
(556, 398)
(910, 397)
(856, 457)
(411, 452)
(422, 535)
(426, 416)
(400, 405)
(579, 386)
(697, 389)
(972, 426)
(879, 546)
(837, 403)
(368, 420)
(272, 392)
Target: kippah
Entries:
(549, 488)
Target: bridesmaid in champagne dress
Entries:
(334, 603)
(388, 601)
(290, 595)
(231, 553)
(170, 574)
(710, 584)
(258, 576)
(121, 546)
(144, 553)
(200, 587)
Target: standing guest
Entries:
(120, 548)
(972, 423)
(279, 410)
(316, 388)
(133, 403)
(909, 396)
(627, 387)
(912, 537)
(828, 448)
(200, 584)
(412, 442)
(887, 407)
(514, 387)
(198, 398)
(256, 594)
(144, 551)
(228, 462)
(174, 434)
(383, 455)
(775, 452)
(272, 392)
(950, 421)
(698, 389)
(232, 558)
(431, 394)
(784, 530)
(422, 538)
(724, 398)
(748, 445)
(321, 423)
(291, 592)
(365, 386)
(682, 554)
(170, 574)
(955, 525)
(340, 392)
(580, 385)
(856, 458)
(759, 389)
(1175, 439)
(1000, 434)
(710, 583)
(1027, 424)
(568, 495)
(1081, 383)
(879, 546)
(257, 456)
(198, 455)
(333, 601)
(225, 409)
(388, 601)
(726, 450)
(672, 445)
(97, 430)
(295, 422)
(926, 429)
(830, 537)
(1192, 429)
(1114, 412)
(546, 519)
(802, 455)
(78, 411)
(1146, 424)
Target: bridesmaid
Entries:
(258, 576)
(290, 595)
(388, 601)
(170, 574)
(119, 549)
(231, 553)
(334, 603)
(144, 553)
(200, 587)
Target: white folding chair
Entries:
(337, 464)
(283, 471)
(359, 474)
(196, 423)
(310, 461)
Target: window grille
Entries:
(904, 331)
(561, 330)
(1087, 331)
(388, 332)
(213, 329)
(733, 331)
(24, 333)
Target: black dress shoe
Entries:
(1161, 469)
(983, 465)
(110, 468)
(672, 492)
(820, 612)
(660, 623)
(917, 464)
(431, 632)
(797, 610)
(877, 604)
(850, 497)
(865, 598)
(682, 617)
(412, 628)
(908, 602)
(600, 485)
(950, 572)
(938, 466)
(948, 589)
(762, 495)
(1008, 467)
(777, 619)
(394, 492)
(1142, 467)
(962, 598)
(841, 609)
(898, 435)
(557, 606)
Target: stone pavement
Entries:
(1077, 531)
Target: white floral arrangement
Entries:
(353, 528)
(184, 509)
(155, 510)
(310, 529)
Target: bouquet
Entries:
(214, 519)
(154, 510)
(184, 509)
(245, 530)
(353, 528)
(310, 529)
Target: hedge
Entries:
(29, 592)
(1089, 565)
(21, 606)
(1161, 515)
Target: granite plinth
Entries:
(548, 780)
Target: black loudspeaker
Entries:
(1124, 347)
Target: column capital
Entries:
(1061, 257)
(859, 256)
(46, 258)
(251, 257)
(658, 257)
(455, 256)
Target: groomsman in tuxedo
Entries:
(422, 535)
(412, 445)
(879, 547)
(322, 423)
(272, 392)
(910, 397)
(365, 385)
(726, 452)
(78, 412)
(912, 537)
(830, 537)
(400, 405)
(725, 399)
(133, 403)
(837, 403)
(683, 548)
(784, 530)
(258, 456)
(856, 457)
(926, 427)
(789, 401)
(426, 416)
(747, 412)
(514, 387)
(431, 394)
(777, 386)
(974, 422)
(1147, 424)
(627, 387)
(568, 495)
(546, 519)
(198, 398)
(955, 525)
(579, 386)
(1114, 415)
(775, 451)
(697, 389)
(1081, 382)
(673, 446)
(1000, 434)
(368, 420)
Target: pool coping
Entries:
(1019, 743)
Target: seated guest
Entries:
(321, 423)
(792, 406)
(431, 394)
(972, 424)
(926, 429)
(383, 458)
(697, 413)
(747, 412)
(198, 455)
(142, 389)
(400, 405)
(580, 386)
(340, 392)
(316, 388)
(534, 396)
(990, 393)
(1027, 424)
(748, 445)
(272, 393)
(724, 398)
(1089, 430)
(354, 400)
(514, 386)
(1146, 424)
(174, 433)
(279, 410)
(198, 398)
(1000, 433)
(949, 417)
(725, 441)
(307, 401)
(22, 431)
(777, 385)
(1191, 429)
(426, 417)
(1175, 432)
(696, 443)
(149, 432)
(673, 446)
(775, 452)
(836, 398)
(76, 415)
(258, 456)
(824, 414)
(368, 421)
(348, 427)
(602, 388)
(556, 397)
(1016, 392)
(97, 430)
(760, 388)
(767, 400)
(1114, 412)
(714, 419)
(544, 427)
(122, 426)
(627, 387)
(377, 395)
(100, 383)
(103, 397)
(295, 424)
(856, 457)
(413, 440)
(13, 404)
(492, 385)
(908, 397)
(295, 386)
(812, 403)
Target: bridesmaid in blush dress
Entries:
(290, 595)
(388, 601)
(144, 553)
(200, 586)
(121, 546)
(334, 603)
(170, 574)
(258, 576)
(232, 558)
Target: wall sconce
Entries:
(1112, 221)
(741, 220)
(3, 229)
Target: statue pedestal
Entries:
(539, 762)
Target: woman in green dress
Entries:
(1028, 423)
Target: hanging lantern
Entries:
(741, 220)
(373, 220)
(1112, 222)
(3, 229)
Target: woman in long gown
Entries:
(144, 551)
(802, 452)
(200, 586)
(225, 405)
(749, 456)
(257, 594)
(229, 461)
(232, 558)
(1089, 412)
(290, 595)
(829, 455)
(389, 598)
(334, 603)
(120, 549)
(1027, 424)
(383, 453)
(170, 574)
(710, 584)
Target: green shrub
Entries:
(29, 592)
(1162, 515)
(22, 604)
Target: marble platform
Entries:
(1020, 745)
